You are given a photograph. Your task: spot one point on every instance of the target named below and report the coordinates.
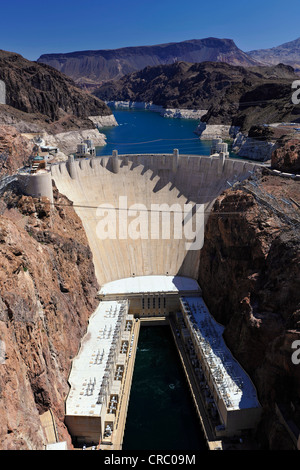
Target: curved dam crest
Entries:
(144, 180)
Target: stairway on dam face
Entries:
(144, 180)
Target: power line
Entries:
(197, 139)
(107, 208)
(149, 141)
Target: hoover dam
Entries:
(145, 183)
(134, 212)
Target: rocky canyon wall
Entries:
(250, 277)
(47, 293)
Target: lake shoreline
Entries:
(176, 113)
(141, 131)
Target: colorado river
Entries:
(161, 415)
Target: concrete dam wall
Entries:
(121, 193)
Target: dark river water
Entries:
(161, 414)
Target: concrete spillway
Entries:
(118, 183)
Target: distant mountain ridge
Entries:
(287, 53)
(39, 93)
(95, 67)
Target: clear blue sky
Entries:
(32, 27)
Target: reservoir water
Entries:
(161, 415)
(141, 131)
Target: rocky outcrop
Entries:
(36, 123)
(104, 121)
(48, 291)
(183, 113)
(15, 150)
(93, 67)
(211, 131)
(249, 275)
(38, 88)
(41, 100)
(287, 156)
(253, 149)
(67, 141)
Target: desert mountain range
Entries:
(287, 53)
(232, 95)
(95, 66)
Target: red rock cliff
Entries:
(15, 150)
(287, 156)
(47, 293)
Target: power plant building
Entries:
(151, 295)
(97, 373)
(95, 393)
(230, 389)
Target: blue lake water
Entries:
(141, 131)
